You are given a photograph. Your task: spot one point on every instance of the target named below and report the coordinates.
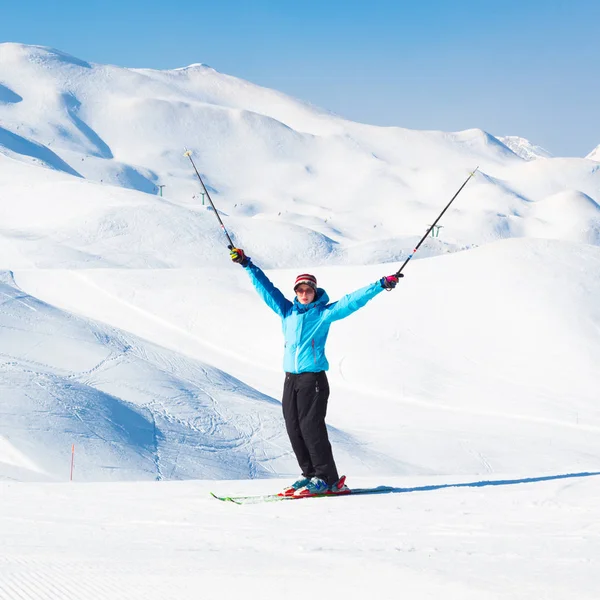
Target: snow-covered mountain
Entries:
(352, 192)
(594, 154)
(127, 334)
(171, 367)
(524, 148)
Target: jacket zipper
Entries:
(314, 352)
(299, 338)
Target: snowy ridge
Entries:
(265, 155)
(524, 148)
(594, 154)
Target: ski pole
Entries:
(189, 155)
(435, 222)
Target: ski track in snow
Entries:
(123, 350)
(258, 436)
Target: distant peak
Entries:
(524, 148)
(195, 67)
(594, 154)
(33, 53)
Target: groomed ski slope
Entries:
(150, 541)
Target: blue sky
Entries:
(527, 68)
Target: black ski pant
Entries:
(304, 408)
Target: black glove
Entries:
(238, 256)
(389, 282)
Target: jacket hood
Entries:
(321, 297)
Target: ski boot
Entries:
(315, 487)
(339, 487)
(299, 483)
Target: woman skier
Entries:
(306, 323)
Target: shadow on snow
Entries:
(477, 484)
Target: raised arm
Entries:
(352, 302)
(265, 288)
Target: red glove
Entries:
(389, 282)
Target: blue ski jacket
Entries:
(306, 326)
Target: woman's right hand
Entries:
(238, 256)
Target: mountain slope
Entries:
(267, 156)
(172, 367)
(132, 409)
(485, 341)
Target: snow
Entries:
(471, 389)
(151, 541)
(594, 154)
(524, 148)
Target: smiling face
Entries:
(305, 294)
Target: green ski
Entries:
(259, 499)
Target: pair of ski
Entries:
(277, 498)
